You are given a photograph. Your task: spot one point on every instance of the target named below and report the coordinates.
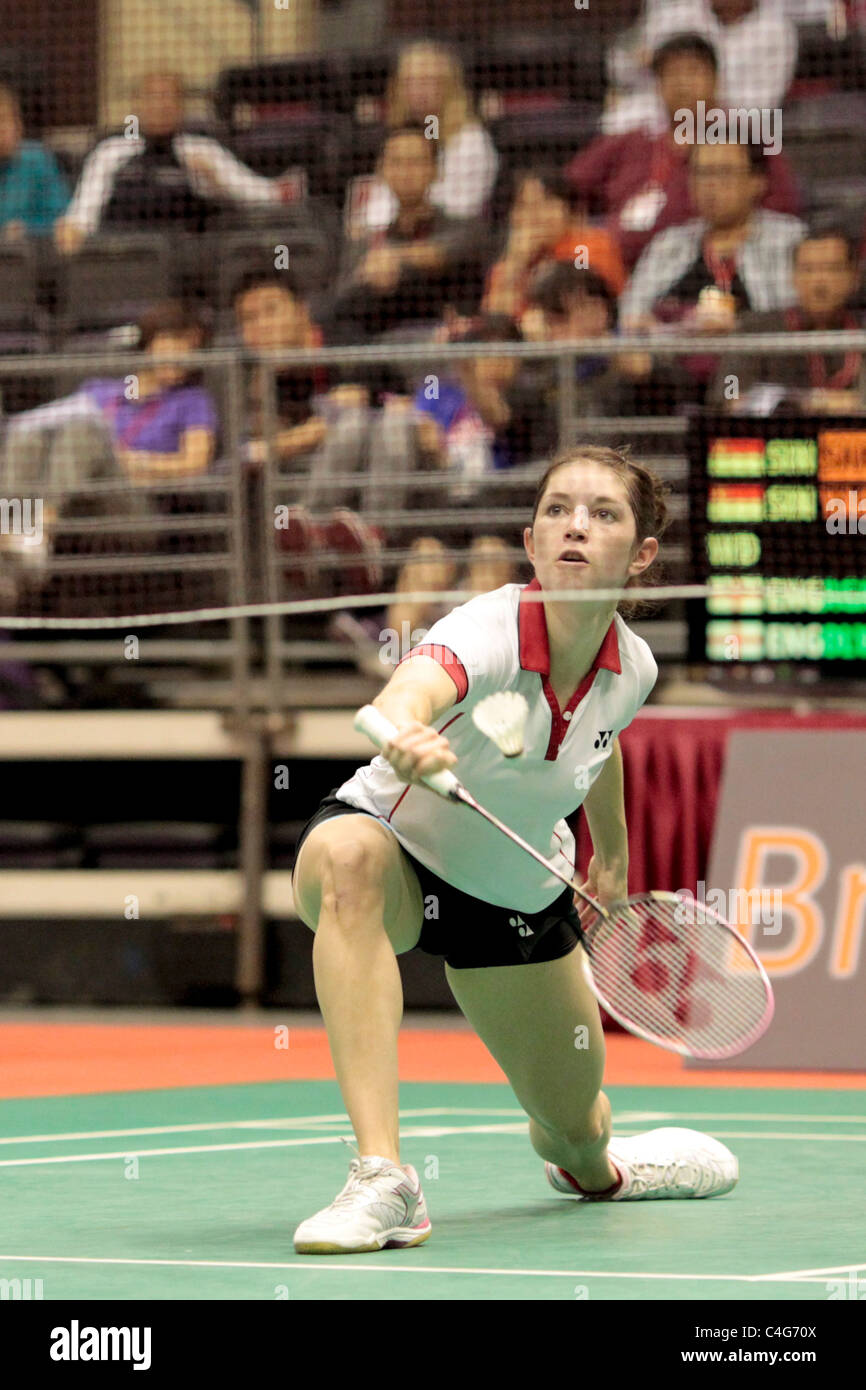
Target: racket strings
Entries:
(673, 969)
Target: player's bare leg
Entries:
(542, 1025)
(360, 895)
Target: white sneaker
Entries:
(663, 1163)
(381, 1207)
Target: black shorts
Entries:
(467, 931)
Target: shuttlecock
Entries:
(502, 717)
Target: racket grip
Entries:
(379, 730)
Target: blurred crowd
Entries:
(449, 235)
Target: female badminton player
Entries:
(385, 865)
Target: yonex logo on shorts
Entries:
(522, 927)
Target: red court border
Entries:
(55, 1059)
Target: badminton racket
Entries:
(667, 968)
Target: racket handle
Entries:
(379, 730)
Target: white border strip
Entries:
(364, 1267)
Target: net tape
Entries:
(290, 608)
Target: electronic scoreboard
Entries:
(777, 517)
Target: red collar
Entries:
(535, 656)
(535, 646)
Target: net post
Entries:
(252, 830)
(241, 550)
(267, 547)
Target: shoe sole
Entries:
(389, 1240)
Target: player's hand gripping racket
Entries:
(669, 969)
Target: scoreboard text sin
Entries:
(779, 536)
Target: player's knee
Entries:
(353, 871)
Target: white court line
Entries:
(744, 1115)
(623, 1117)
(173, 1129)
(780, 1134)
(414, 1132)
(425, 1132)
(284, 1123)
(366, 1268)
(806, 1275)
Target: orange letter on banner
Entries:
(810, 856)
(848, 928)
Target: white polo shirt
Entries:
(499, 641)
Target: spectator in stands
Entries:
(406, 273)
(271, 314)
(33, 192)
(483, 422)
(167, 427)
(568, 304)
(855, 11)
(432, 566)
(480, 417)
(815, 11)
(158, 424)
(825, 277)
(488, 564)
(732, 257)
(428, 81)
(544, 227)
(757, 47)
(332, 429)
(483, 415)
(159, 174)
(640, 180)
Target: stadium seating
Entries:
(24, 324)
(826, 133)
(39, 844)
(157, 845)
(111, 281)
(541, 66)
(315, 144)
